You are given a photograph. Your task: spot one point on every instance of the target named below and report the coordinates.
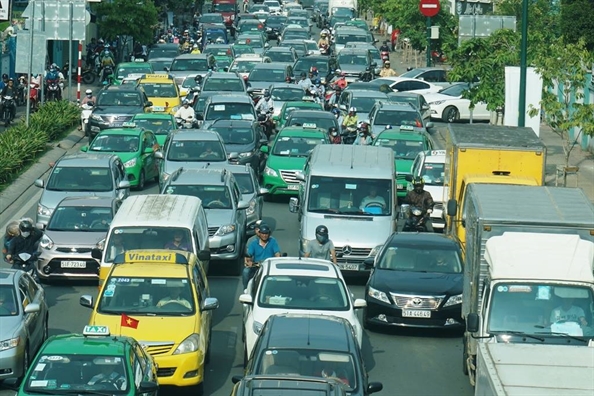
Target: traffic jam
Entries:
(272, 144)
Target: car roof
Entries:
(195, 134)
(297, 131)
(301, 266)
(271, 65)
(153, 116)
(106, 202)
(285, 383)
(367, 93)
(312, 113)
(422, 239)
(285, 85)
(205, 176)
(223, 76)
(351, 50)
(79, 344)
(193, 56)
(122, 131)
(232, 123)
(398, 106)
(125, 88)
(294, 331)
(7, 276)
(230, 98)
(435, 156)
(86, 160)
(401, 135)
(292, 41)
(279, 49)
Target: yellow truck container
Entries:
(488, 154)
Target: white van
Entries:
(153, 222)
(351, 190)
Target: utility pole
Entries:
(523, 66)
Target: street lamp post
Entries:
(523, 56)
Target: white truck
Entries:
(334, 4)
(492, 210)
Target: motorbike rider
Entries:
(9, 90)
(4, 81)
(88, 98)
(323, 42)
(106, 61)
(334, 136)
(12, 231)
(195, 49)
(350, 120)
(185, 113)
(387, 71)
(341, 80)
(385, 47)
(26, 242)
(265, 104)
(305, 82)
(363, 137)
(259, 250)
(320, 90)
(421, 199)
(322, 247)
(54, 74)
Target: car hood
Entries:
(403, 166)
(107, 110)
(219, 217)
(348, 69)
(76, 238)
(372, 231)
(150, 328)
(239, 148)
(172, 166)
(407, 282)
(260, 84)
(10, 326)
(50, 199)
(434, 97)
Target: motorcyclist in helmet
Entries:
(9, 90)
(340, 80)
(26, 242)
(106, 61)
(350, 120)
(363, 136)
(195, 49)
(263, 248)
(387, 71)
(4, 81)
(323, 42)
(304, 82)
(322, 247)
(265, 104)
(88, 97)
(334, 136)
(320, 89)
(185, 113)
(385, 47)
(421, 199)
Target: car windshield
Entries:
(542, 309)
(70, 178)
(343, 12)
(433, 173)
(213, 197)
(223, 62)
(305, 64)
(293, 34)
(282, 57)
(420, 259)
(214, 34)
(243, 49)
(323, 123)
(299, 21)
(57, 373)
(403, 149)
(243, 66)
(157, 126)
(190, 82)
(287, 94)
(352, 59)
(364, 104)
(294, 146)
(211, 18)
(276, 20)
(311, 46)
(224, 84)
(8, 301)
(231, 111)
(303, 292)
(155, 90)
(196, 151)
(115, 143)
(157, 52)
(132, 238)
(224, 7)
(346, 38)
(397, 118)
(124, 72)
(159, 66)
(308, 362)
(234, 135)
(455, 90)
(147, 296)
(267, 75)
(80, 218)
(245, 182)
(253, 42)
(189, 65)
(271, 4)
(115, 98)
(350, 196)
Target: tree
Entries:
(127, 18)
(577, 23)
(564, 77)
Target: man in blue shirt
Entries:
(258, 250)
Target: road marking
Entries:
(233, 338)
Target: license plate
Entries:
(73, 264)
(349, 267)
(293, 187)
(415, 313)
(158, 108)
(400, 186)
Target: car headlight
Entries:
(44, 210)
(270, 172)
(10, 343)
(46, 242)
(438, 102)
(226, 229)
(175, 108)
(246, 155)
(378, 295)
(101, 244)
(96, 117)
(453, 300)
(252, 208)
(130, 163)
(257, 327)
(188, 345)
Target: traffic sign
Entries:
(429, 8)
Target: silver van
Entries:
(350, 190)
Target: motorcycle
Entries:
(26, 262)
(189, 123)
(53, 90)
(86, 110)
(107, 75)
(414, 218)
(325, 49)
(438, 57)
(267, 124)
(8, 104)
(87, 75)
(385, 56)
(21, 97)
(349, 136)
(34, 96)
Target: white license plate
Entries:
(400, 186)
(349, 267)
(415, 313)
(73, 264)
(158, 108)
(293, 187)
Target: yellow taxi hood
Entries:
(149, 328)
(165, 104)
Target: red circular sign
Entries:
(429, 8)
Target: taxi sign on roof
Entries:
(158, 257)
(161, 76)
(438, 152)
(96, 331)
(407, 128)
(309, 125)
(129, 125)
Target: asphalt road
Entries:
(407, 361)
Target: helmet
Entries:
(322, 234)
(11, 79)
(387, 63)
(89, 92)
(324, 34)
(101, 41)
(317, 81)
(418, 182)
(195, 46)
(259, 224)
(364, 127)
(266, 94)
(5, 76)
(106, 51)
(185, 102)
(313, 69)
(26, 226)
(264, 229)
(337, 72)
(353, 110)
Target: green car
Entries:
(94, 363)
(158, 123)
(287, 155)
(406, 144)
(131, 71)
(239, 50)
(136, 148)
(223, 62)
(288, 107)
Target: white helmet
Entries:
(89, 92)
(353, 110)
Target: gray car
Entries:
(23, 322)
(191, 64)
(354, 62)
(86, 174)
(76, 227)
(284, 92)
(362, 100)
(224, 206)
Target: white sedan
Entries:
(448, 105)
(403, 84)
(296, 285)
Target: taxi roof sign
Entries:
(309, 125)
(157, 76)
(129, 125)
(407, 128)
(437, 152)
(96, 331)
(151, 256)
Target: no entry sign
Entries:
(429, 8)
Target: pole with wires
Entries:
(79, 71)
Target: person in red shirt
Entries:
(395, 34)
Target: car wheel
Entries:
(141, 181)
(451, 114)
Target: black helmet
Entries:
(418, 181)
(322, 230)
(264, 229)
(26, 226)
(5, 76)
(303, 74)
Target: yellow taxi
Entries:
(160, 298)
(162, 90)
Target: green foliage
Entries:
(543, 18)
(21, 145)
(577, 23)
(136, 18)
(484, 60)
(568, 69)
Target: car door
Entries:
(419, 86)
(148, 157)
(424, 108)
(37, 294)
(248, 309)
(480, 111)
(119, 173)
(141, 369)
(240, 216)
(33, 322)
(202, 294)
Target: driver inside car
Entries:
(568, 312)
(174, 297)
(372, 200)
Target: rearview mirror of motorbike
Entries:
(408, 178)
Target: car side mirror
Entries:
(264, 149)
(369, 262)
(241, 205)
(210, 303)
(425, 107)
(263, 191)
(408, 178)
(472, 322)
(429, 125)
(149, 104)
(39, 183)
(41, 226)
(166, 69)
(342, 107)
(233, 156)
(236, 378)
(293, 204)
(148, 387)
(204, 255)
(225, 69)
(86, 301)
(246, 299)
(159, 155)
(359, 303)
(32, 308)
(374, 387)
(97, 254)
(123, 185)
(452, 207)
(84, 149)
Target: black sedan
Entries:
(274, 25)
(416, 281)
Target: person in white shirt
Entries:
(569, 313)
(174, 297)
(185, 112)
(109, 374)
(372, 198)
(265, 104)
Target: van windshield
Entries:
(352, 196)
(132, 238)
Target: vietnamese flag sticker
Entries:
(127, 321)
